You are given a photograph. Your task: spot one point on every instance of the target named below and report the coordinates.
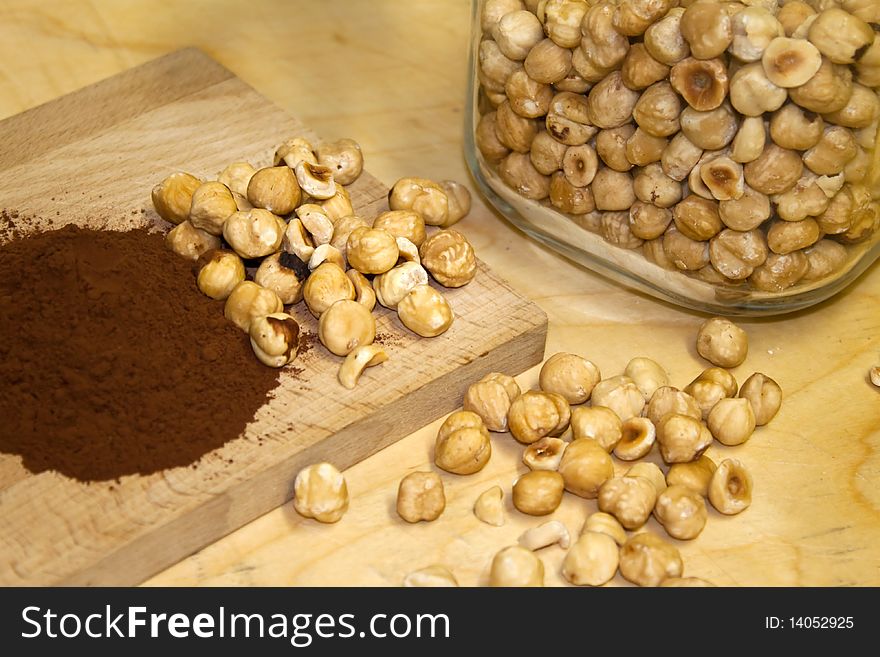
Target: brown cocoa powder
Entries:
(111, 361)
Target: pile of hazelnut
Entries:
(574, 427)
(733, 141)
(294, 226)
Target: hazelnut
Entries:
(629, 499)
(325, 286)
(236, 177)
(219, 272)
(316, 180)
(602, 44)
(651, 472)
(538, 492)
(425, 311)
(546, 153)
(425, 196)
(840, 36)
(614, 227)
(647, 221)
(431, 576)
(647, 375)
(597, 423)
(793, 14)
(621, 395)
(212, 203)
(702, 83)
(605, 523)
(316, 222)
(682, 512)
(518, 173)
(392, 286)
(746, 213)
(664, 40)
(190, 242)
(637, 438)
(293, 151)
(371, 251)
(697, 218)
(569, 375)
(643, 149)
(730, 490)
(517, 32)
(683, 252)
(248, 301)
(793, 128)
(584, 467)
(640, 70)
(459, 199)
(490, 398)
(646, 559)
(297, 241)
(345, 325)
(750, 140)
(708, 29)
(868, 66)
(337, 206)
(657, 110)
(488, 508)
(825, 258)
(344, 159)
(722, 342)
(790, 62)
(654, 253)
(611, 147)
(573, 81)
(284, 274)
(682, 438)
(253, 233)
(735, 254)
(342, 230)
(547, 62)
(613, 190)
(752, 93)
(420, 497)
(516, 566)
(274, 339)
(591, 561)
(449, 257)
(568, 119)
(611, 103)
(274, 189)
(326, 253)
(712, 385)
(776, 170)
(527, 97)
(764, 395)
(731, 421)
(544, 454)
(402, 223)
(695, 475)
(787, 236)
(462, 445)
(579, 165)
(712, 130)
(495, 68)
(753, 30)
(680, 157)
(562, 21)
(827, 91)
(172, 197)
(534, 415)
(320, 492)
(724, 178)
(835, 148)
(779, 272)
(357, 361)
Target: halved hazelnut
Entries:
(703, 83)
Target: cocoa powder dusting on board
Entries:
(111, 361)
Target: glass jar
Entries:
(699, 181)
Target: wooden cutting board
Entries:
(91, 158)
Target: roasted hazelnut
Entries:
(602, 44)
(528, 98)
(569, 375)
(402, 223)
(274, 339)
(459, 198)
(427, 197)
(861, 110)
(462, 445)
(236, 177)
(695, 475)
(637, 438)
(293, 151)
(605, 523)
(776, 171)
(611, 103)
(248, 301)
(316, 180)
(735, 254)
(218, 273)
(865, 222)
(790, 62)
(702, 83)
(357, 361)
(547, 62)
(546, 153)
(425, 311)
(274, 189)
(697, 218)
(591, 561)
(709, 130)
(825, 257)
(516, 566)
(835, 148)
(647, 221)
(657, 110)
(708, 29)
(731, 421)
(516, 33)
(449, 257)
(253, 233)
(746, 213)
(346, 325)
(172, 197)
(787, 236)
(392, 286)
(492, 11)
(342, 230)
(316, 222)
(730, 490)
(681, 438)
(325, 286)
(614, 228)
(680, 157)
(584, 467)
(750, 140)
(344, 159)
(764, 396)
(793, 128)
(190, 242)
(371, 250)
(723, 178)
(544, 454)
(840, 35)
(682, 512)
(320, 492)
(646, 559)
(664, 40)
(420, 497)
(613, 190)
(779, 272)
(597, 423)
(695, 184)
(338, 206)
(534, 415)
(629, 499)
(643, 149)
(868, 66)
(611, 147)
(538, 492)
(621, 395)
(579, 164)
(722, 342)
(753, 30)
(827, 91)
(640, 70)
(568, 119)
(683, 252)
(364, 293)
(570, 199)
(280, 273)
(793, 14)
(518, 172)
(487, 139)
(752, 93)
(647, 374)
(562, 21)
(212, 203)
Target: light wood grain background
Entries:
(392, 75)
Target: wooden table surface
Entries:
(392, 75)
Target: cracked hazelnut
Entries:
(538, 492)
(584, 467)
(462, 445)
(683, 252)
(212, 203)
(629, 499)
(702, 83)
(597, 423)
(326, 253)
(682, 512)
(827, 91)
(764, 395)
(274, 189)
(345, 325)
(735, 254)
(613, 190)
(320, 492)
(172, 197)
(591, 561)
(297, 241)
(776, 170)
(664, 40)
(790, 62)
(695, 475)
(274, 339)
(724, 178)
(344, 159)
(253, 233)
(730, 490)
(708, 29)
(544, 454)
(680, 157)
(190, 242)
(425, 311)
(605, 523)
(746, 213)
(779, 272)
(516, 566)
(840, 36)
(611, 102)
(569, 375)
(293, 151)
(697, 218)
(517, 32)
(248, 301)
(681, 438)
(549, 533)
(657, 111)
(640, 70)
(325, 286)
(752, 93)
(316, 222)
(357, 361)
(316, 180)
(282, 273)
(637, 438)
(337, 206)
(420, 497)
(488, 508)
(750, 140)
(646, 560)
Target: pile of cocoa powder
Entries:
(111, 361)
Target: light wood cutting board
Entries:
(91, 158)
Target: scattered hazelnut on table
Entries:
(516, 566)
(425, 311)
(315, 180)
(682, 438)
(637, 439)
(236, 177)
(651, 472)
(402, 223)
(420, 497)
(283, 273)
(488, 507)
(325, 286)
(320, 492)
(219, 271)
(597, 423)
(293, 151)
(730, 490)
(274, 339)
(212, 203)
(538, 492)
(423, 196)
(544, 454)
(190, 242)
(584, 467)
(346, 325)
(371, 251)
(392, 286)
(253, 233)
(363, 289)
(430, 576)
(172, 197)
(462, 446)
(449, 257)
(359, 359)
(731, 421)
(592, 560)
(629, 499)
(682, 512)
(604, 523)
(621, 395)
(722, 342)
(764, 395)
(491, 399)
(666, 400)
(647, 374)
(274, 189)
(569, 375)
(534, 415)
(247, 301)
(711, 386)
(549, 533)
(646, 560)
(695, 475)
(344, 159)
